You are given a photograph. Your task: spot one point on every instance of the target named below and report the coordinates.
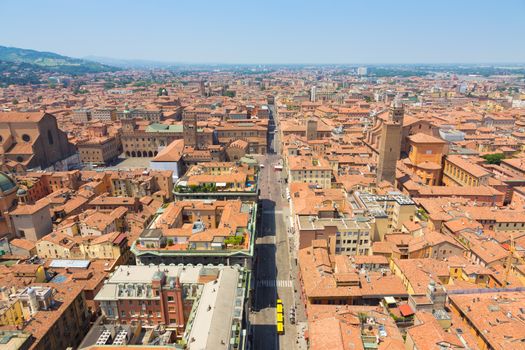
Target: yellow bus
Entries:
(280, 317)
(280, 328)
(279, 308)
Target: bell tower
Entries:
(390, 143)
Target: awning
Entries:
(405, 310)
(390, 300)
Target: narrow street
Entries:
(276, 273)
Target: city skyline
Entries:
(272, 33)
(249, 175)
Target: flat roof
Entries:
(212, 328)
(78, 264)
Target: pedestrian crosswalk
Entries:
(275, 283)
(272, 211)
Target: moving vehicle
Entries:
(280, 316)
(280, 328)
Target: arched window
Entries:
(49, 137)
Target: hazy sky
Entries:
(271, 31)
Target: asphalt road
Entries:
(273, 273)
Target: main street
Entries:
(274, 270)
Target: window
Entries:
(26, 138)
(50, 137)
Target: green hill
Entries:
(50, 62)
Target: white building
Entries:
(362, 71)
(313, 93)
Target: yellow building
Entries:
(459, 171)
(11, 313)
(491, 318)
(59, 246)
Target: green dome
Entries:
(6, 183)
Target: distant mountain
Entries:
(129, 63)
(50, 62)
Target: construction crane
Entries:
(512, 255)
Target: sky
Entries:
(271, 31)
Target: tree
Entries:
(494, 158)
(234, 240)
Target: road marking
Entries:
(275, 283)
(272, 211)
(266, 240)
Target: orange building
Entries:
(424, 157)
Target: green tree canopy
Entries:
(494, 158)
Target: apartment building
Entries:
(254, 132)
(31, 221)
(308, 169)
(389, 211)
(99, 150)
(332, 280)
(109, 203)
(346, 236)
(82, 115)
(499, 312)
(217, 232)
(56, 245)
(459, 171)
(152, 115)
(140, 183)
(220, 180)
(183, 299)
(104, 114)
(55, 318)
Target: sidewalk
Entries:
(294, 273)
